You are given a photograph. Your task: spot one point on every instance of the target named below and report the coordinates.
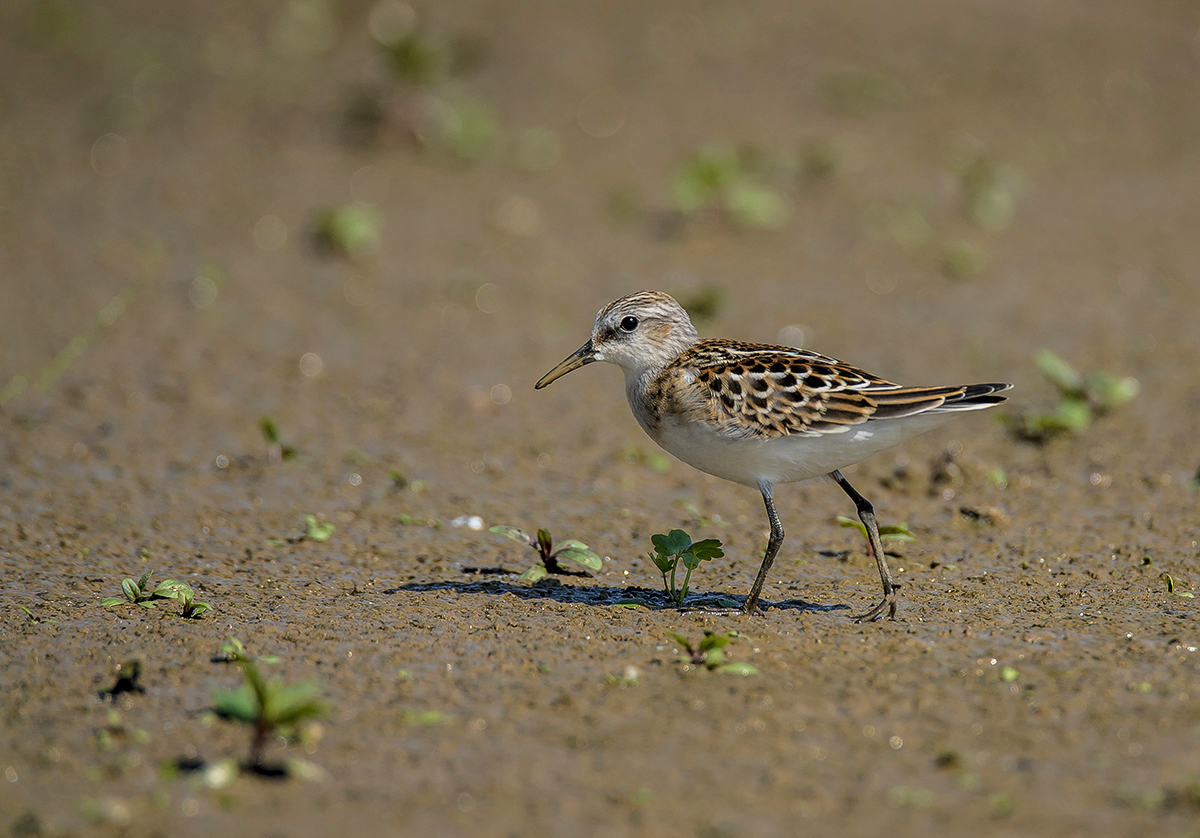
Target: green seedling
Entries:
(277, 452)
(1081, 400)
(710, 653)
(191, 610)
(234, 651)
(549, 558)
(895, 532)
(351, 230)
(677, 547)
(140, 592)
(33, 618)
(316, 529)
(269, 708)
(115, 730)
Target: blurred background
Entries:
(380, 223)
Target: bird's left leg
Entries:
(866, 514)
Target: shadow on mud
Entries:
(608, 596)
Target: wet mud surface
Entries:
(1040, 678)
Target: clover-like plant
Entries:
(549, 558)
(677, 547)
(268, 707)
(710, 653)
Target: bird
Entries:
(761, 415)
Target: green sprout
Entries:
(269, 707)
(548, 557)
(675, 547)
(33, 618)
(895, 532)
(1081, 400)
(350, 230)
(316, 529)
(276, 451)
(710, 652)
(234, 651)
(191, 610)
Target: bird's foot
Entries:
(888, 604)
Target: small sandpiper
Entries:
(760, 415)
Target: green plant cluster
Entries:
(709, 652)
(549, 557)
(140, 593)
(675, 548)
(1082, 398)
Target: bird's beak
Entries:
(581, 357)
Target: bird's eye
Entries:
(629, 324)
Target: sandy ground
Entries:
(162, 168)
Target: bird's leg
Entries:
(866, 514)
(751, 606)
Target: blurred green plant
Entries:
(277, 452)
(1081, 400)
(709, 652)
(350, 230)
(463, 128)
(269, 707)
(234, 650)
(989, 191)
(316, 530)
(963, 259)
(894, 532)
(548, 556)
(675, 548)
(724, 178)
(49, 375)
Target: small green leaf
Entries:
(131, 590)
(897, 532)
(738, 669)
(513, 533)
(1009, 674)
(144, 583)
(270, 430)
(713, 641)
(239, 705)
(317, 530)
(110, 601)
(674, 543)
(665, 563)
(709, 548)
(170, 589)
(680, 639)
(544, 542)
(535, 572)
(1059, 372)
(586, 558)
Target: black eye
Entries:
(629, 324)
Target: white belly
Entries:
(786, 459)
